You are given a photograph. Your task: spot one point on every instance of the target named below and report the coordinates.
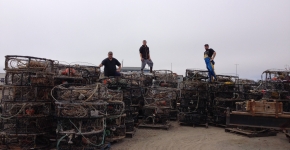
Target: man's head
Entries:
(206, 46)
(110, 55)
(144, 42)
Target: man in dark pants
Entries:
(145, 56)
(110, 64)
(209, 56)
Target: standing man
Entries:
(209, 56)
(145, 56)
(110, 64)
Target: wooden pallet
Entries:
(193, 125)
(155, 126)
(249, 133)
(217, 125)
(4, 147)
(115, 139)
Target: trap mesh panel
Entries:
(27, 63)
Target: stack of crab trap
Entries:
(75, 74)
(80, 111)
(226, 92)
(132, 98)
(166, 78)
(194, 99)
(81, 108)
(26, 103)
(159, 101)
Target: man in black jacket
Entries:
(110, 64)
(145, 56)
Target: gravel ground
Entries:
(188, 138)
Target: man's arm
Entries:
(149, 54)
(213, 56)
(102, 63)
(141, 56)
(140, 51)
(119, 66)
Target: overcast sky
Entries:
(252, 33)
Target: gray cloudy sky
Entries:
(252, 33)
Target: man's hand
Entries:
(118, 70)
(149, 59)
(142, 59)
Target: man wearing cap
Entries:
(209, 56)
(110, 64)
(145, 56)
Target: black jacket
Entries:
(110, 66)
(144, 50)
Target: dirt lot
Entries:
(199, 138)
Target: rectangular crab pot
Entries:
(22, 126)
(67, 109)
(29, 78)
(28, 109)
(16, 63)
(26, 93)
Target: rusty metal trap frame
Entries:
(164, 78)
(17, 63)
(115, 133)
(275, 84)
(24, 142)
(77, 73)
(25, 93)
(224, 94)
(29, 109)
(133, 96)
(160, 96)
(248, 89)
(193, 85)
(219, 108)
(67, 109)
(194, 99)
(193, 91)
(193, 118)
(276, 80)
(146, 79)
(24, 126)
(156, 115)
(115, 108)
(160, 104)
(29, 79)
(83, 93)
(115, 128)
(80, 126)
(121, 82)
(87, 98)
(227, 88)
(75, 141)
(129, 123)
(164, 75)
(132, 92)
(196, 74)
(139, 79)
